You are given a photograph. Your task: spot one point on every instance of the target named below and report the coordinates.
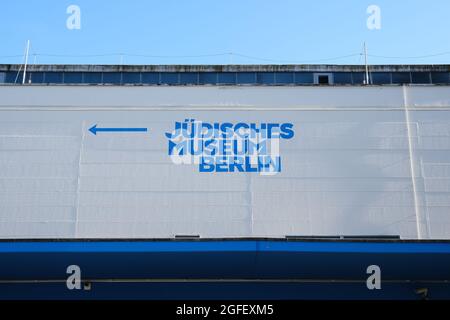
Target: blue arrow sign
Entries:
(94, 130)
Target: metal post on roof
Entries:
(26, 62)
(367, 80)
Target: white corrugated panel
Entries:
(363, 161)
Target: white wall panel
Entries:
(354, 167)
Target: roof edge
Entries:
(225, 68)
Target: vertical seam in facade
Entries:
(77, 197)
(427, 214)
(412, 163)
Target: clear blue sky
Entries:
(295, 31)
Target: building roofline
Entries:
(224, 68)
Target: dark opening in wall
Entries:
(323, 79)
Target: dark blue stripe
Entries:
(225, 246)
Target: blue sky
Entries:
(281, 31)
